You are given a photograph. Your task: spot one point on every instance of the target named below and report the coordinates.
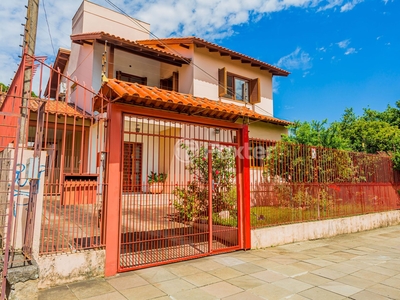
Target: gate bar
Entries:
(210, 192)
(10, 216)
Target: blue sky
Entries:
(341, 53)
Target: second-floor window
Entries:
(237, 88)
(131, 78)
(240, 88)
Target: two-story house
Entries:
(167, 101)
(149, 145)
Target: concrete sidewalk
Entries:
(363, 265)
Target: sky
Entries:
(340, 53)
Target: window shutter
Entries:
(222, 81)
(254, 91)
(175, 81)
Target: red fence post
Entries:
(114, 191)
(246, 188)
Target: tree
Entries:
(316, 133)
(371, 132)
(3, 87)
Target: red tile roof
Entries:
(139, 49)
(163, 43)
(58, 107)
(153, 97)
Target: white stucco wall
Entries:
(91, 17)
(285, 234)
(138, 66)
(266, 131)
(206, 78)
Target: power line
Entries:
(189, 62)
(48, 28)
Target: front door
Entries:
(132, 175)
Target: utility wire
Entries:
(48, 28)
(189, 62)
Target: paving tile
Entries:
(61, 292)
(305, 266)
(201, 279)
(248, 257)
(313, 279)
(268, 276)
(244, 295)
(334, 258)
(154, 275)
(392, 265)
(248, 268)
(142, 292)
(381, 270)
(319, 262)
(126, 282)
(292, 285)
(109, 296)
(228, 261)
(207, 265)
(376, 277)
(363, 295)
(226, 273)
(317, 293)
(183, 269)
(193, 294)
(385, 291)
(393, 282)
(296, 297)
(221, 289)
(340, 288)
(289, 270)
(246, 282)
(343, 267)
(266, 263)
(328, 273)
(284, 259)
(270, 291)
(91, 288)
(361, 283)
(174, 286)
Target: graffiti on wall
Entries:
(22, 185)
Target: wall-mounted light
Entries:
(137, 129)
(217, 130)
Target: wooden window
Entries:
(132, 167)
(171, 83)
(131, 78)
(236, 87)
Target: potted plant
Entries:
(156, 182)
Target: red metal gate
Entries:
(187, 203)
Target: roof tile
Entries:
(133, 92)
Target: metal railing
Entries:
(295, 183)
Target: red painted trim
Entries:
(246, 188)
(114, 190)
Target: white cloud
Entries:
(350, 5)
(350, 51)
(298, 59)
(331, 4)
(322, 49)
(343, 44)
(210, 19)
